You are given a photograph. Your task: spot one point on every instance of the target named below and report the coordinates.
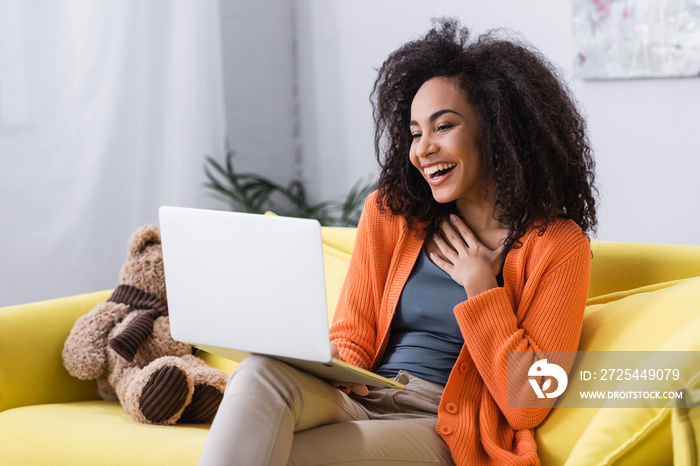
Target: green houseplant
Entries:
(249, 192)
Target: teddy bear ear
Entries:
(142, 238)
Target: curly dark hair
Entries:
(533, 145)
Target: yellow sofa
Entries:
(641, 297)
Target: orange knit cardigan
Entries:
(539, 308)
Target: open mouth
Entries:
(437, 171)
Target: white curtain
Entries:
(107, 109)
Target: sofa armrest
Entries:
(619, 266)
(31, 342)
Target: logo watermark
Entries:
(543, 368)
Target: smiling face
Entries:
(445, 142)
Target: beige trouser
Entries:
(274, 414)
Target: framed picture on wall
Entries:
(623, 39)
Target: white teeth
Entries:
(436, 168)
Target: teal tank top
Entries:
(425, 339)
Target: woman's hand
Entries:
(356, 388)
(466, 259)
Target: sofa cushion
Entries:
(93, 432)
(665, 316)
(685, 426)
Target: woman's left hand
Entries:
(347, 387)
(466, 259)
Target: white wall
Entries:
(106, 111)
(124, 100)
(644, 132)
(259, 79)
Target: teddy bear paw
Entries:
(205, 401)
(164, 395)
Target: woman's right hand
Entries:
(347, 387)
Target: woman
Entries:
(474, 245)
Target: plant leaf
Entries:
(254, 193)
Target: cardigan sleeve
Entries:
(548, 317)
(354, 328)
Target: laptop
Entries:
(240, 284)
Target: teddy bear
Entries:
(125, 344)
